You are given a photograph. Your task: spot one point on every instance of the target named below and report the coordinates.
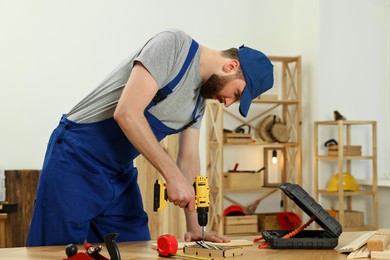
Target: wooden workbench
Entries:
(144, 250)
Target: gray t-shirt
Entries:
(163, 56)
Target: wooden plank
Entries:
(378, 242)
(204, 252)
(356, 243)
(360, 253)
(380, 254)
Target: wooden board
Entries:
(204, 252)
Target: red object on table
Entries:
(167, 245)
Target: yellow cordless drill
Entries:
(202, 199)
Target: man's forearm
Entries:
(192, 221)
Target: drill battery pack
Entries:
(305, 239)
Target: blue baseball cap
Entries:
(258, 73)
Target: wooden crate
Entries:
(268, 221)
(351, 150)
(352, 218)
(243, 180)
(237, 138)
(240, 224)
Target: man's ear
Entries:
(231, 66)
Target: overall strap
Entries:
(166, 90)
(195, 117)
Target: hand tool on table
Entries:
(202, 199)
(92, 252)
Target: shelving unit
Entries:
(287, 105)
(344, 164)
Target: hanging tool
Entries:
(253, 206)
(167, 246)
(202, 199)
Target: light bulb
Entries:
(274, 157)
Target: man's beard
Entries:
(210, 88)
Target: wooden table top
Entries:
(145, 251)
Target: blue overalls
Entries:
(88, 184)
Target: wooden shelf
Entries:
(327, 157)
(281, 102)
(344, 164)
(288, 107)
(360, 228)
(347, 193)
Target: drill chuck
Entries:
(202, 216)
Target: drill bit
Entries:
(203, 234)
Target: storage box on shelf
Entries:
(268, 221)
(343, 156)
(243, 180)
(240, 224)
(352, 218)
(287, 105)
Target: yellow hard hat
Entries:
(349, 183)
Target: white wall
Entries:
(353, 76)
(52, 53)
(353, 64)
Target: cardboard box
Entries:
(243, 180)
(352, 218)
(240, 224)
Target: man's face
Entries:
(225, 89)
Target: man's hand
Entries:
(196, 236)
(181, 192)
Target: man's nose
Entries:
(228, 101)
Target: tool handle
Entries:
(160, 196)
(112, 247)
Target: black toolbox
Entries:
(305, 239)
